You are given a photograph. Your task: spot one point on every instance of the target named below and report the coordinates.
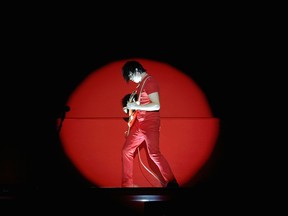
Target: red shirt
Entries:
(150, 86)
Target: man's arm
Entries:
(153, 106)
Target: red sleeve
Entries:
(151, 86)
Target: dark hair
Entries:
(130, 67)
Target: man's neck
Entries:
(143, 75)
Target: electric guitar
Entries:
(132, 113)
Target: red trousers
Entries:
(148, 131)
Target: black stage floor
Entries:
(116, 201)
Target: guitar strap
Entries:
(142, 88)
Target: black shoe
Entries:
(172, 184)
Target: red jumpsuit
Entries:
(145, 128)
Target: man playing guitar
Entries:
(144, 125)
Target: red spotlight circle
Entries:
(93, 131)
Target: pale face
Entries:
(136, 77)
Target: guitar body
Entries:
(131, 121)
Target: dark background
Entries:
(46, 59)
